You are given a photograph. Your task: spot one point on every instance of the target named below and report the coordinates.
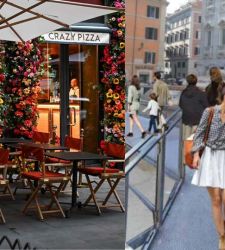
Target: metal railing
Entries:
(154, 175)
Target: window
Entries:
(197, 34)
(181, 36)
(195, 65)
(151, 33)
(176, 37)
(209, 38)
(153, 12)
(166, 65)
(178, 64)
(150, 57)
(197, 51)
(144, 78)
(186, 34)
(199, 19)
(223, 37)
(183, 64)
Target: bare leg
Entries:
(216, 199)
(131, 124)
(136, 120)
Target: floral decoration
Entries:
(23, 65)
(113, 78)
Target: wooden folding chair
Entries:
(74, 144)
(42, 137)
(111, 174)
(38, 179)
(4, 165)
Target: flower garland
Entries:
(23, 63)
(113, 78)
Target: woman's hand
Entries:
(196, 160)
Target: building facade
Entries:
(145, 38)
(213, 36)
(183, 38)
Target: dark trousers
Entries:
(152, 123)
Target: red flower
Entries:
(28, 123)
(19, 113)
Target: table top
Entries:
(13, 140)
(77, 156)
(45, 146)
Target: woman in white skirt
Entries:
(210, 168)
(134, 96)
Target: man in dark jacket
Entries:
(193, 102)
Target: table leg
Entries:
(74, 185)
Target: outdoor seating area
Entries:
(50, 175)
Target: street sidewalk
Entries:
(189, 224)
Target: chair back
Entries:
(41, 137)
(114, 150)
(4, 156)
(74, 143)
(35, 153)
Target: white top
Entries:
(154, 108)
(74, 92)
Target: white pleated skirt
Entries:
(211, 172)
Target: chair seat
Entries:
(55, 160)
(37, 175)
(98, 170)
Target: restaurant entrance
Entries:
(82, 68)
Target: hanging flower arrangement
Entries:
(23, 63)
(113, 78)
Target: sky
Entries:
(174, 5)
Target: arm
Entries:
(148, 107)
(200, 132)
(130, 97)
(155, 88)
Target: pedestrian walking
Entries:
(210, 168)
(192, 102)
(134, 96)
(154, 109)
(160, 88)
(214, 88)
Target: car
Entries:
(171, 81)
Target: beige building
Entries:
(183, 38)
(145, 38)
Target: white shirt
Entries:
(154, 108)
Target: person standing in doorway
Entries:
(210, 168)
(134, 95)
(74, 90)
(193, 102)
(154, 109)
(160, 88)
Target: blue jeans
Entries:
(152, 123)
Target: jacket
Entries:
(193, 102)
(161, 89)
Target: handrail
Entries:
(131, 152)
(133, 163)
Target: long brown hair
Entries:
(135, 81)
(215, 87)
